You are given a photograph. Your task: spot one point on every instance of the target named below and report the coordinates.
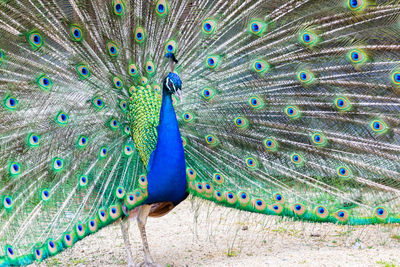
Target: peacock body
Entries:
(289, 108)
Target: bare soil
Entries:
(197, 233)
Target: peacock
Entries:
(118, 109)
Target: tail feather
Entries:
(290, 108)
(328, 139)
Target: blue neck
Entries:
(167, 168)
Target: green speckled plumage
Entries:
(290, 108)
(144, 106)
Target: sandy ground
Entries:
(202, 234)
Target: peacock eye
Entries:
(150, 68)
(83, 71)
(45, 194)
(35, 40)
(256, 102)
(356, 5)
(212, 61)
(132, 70)
(123, 105)
(82, 141)
(44, 82)
(161, 8)
(260, 66)
(58, 164)
(342, 104)
(62, 118)
(98, 103)
(257, 27)
(208, 93)
(379, 126)
(75, 33)
(139, 34)
(271, 144)
(14, 169)
(10, 103)
(33, 140)
(357, 57)
(170, 46)
(308, 38)
(103, 152)
(343, 172)
(296, 158)
(319, 139)
(187, 117)
(113, 123)
(128, 150)
(209, 26)
(241, 122)
(112, 48)
(118, 7)
(305, 77)
(83, 180)
(292, 112)
(118, 84)
(144, 81)
(212, 140)
(251, 163)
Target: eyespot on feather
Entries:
(319, 139)
(271, 144)
(10, 103)
(76, 33)
(260, 66)
(161, 8)
(112, 49)
(33, 140)
(140, 35)
(150, 68)
(379, 126)
(170, 46)
(44, 82)
(299, 209)
(82, 141)
(191, 174)
(118, 7)
(356, 5)
(257, 27)
(209, 26)
(212, 61)
(83, 71)
(35, 40)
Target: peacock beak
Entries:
(179, 94)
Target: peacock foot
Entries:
(150, 264)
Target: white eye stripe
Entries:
(167, 83)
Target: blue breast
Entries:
(167, 169)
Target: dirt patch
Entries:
(203, 234)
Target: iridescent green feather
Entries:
(144, 106)
(286, 111)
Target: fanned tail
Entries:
(292, 108)
(67, 161)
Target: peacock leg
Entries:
(125, 234)
(143, 213)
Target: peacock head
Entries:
(172, 83)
